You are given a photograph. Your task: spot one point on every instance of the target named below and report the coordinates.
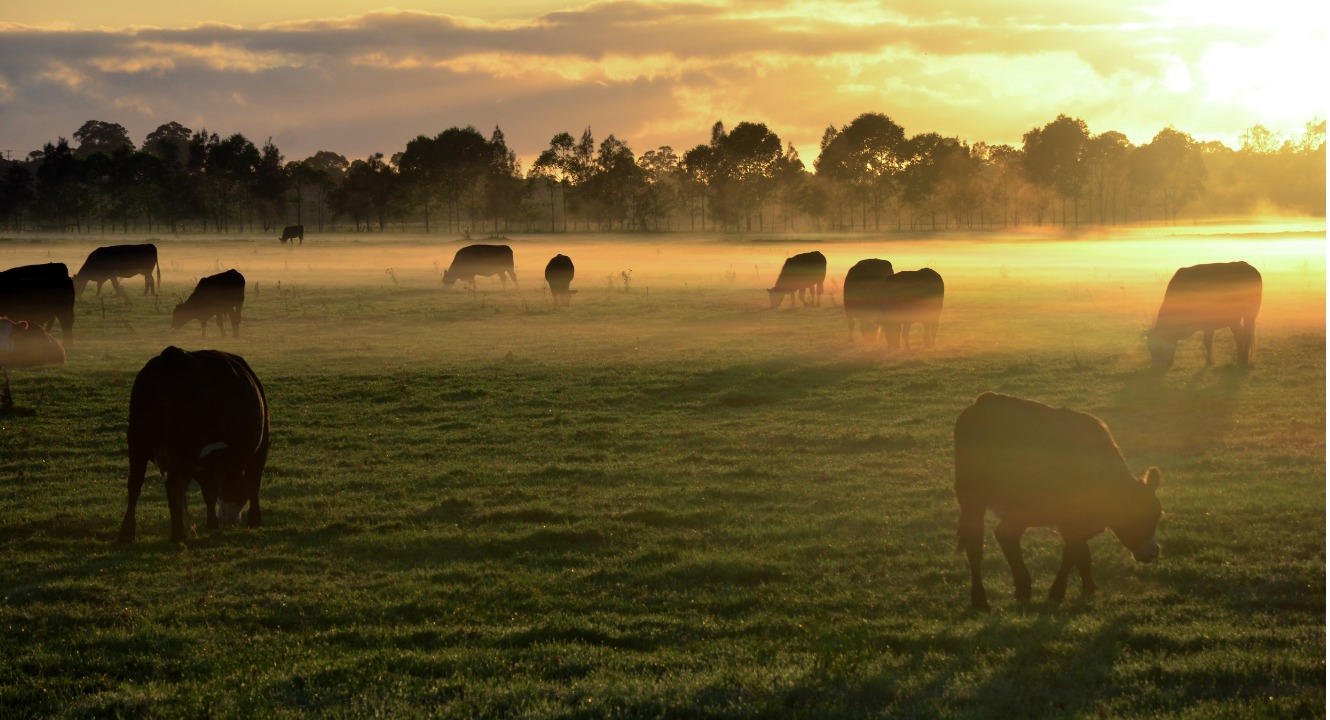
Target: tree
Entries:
(865, 158)
(746, 158)
(554, 169)
(169, 142)
(1053, 159)
(1170, 168)
(1106, 159)
(60, 187)
(269, 186)
(17, 195)
(231, 167)
(96, 136)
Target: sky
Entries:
(357, 78)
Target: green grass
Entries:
(668, 501)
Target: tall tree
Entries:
(1053, 159)
(97, 136)
(865, 158)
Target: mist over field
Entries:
(667, 500)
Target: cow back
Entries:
(1210, 295)
(37, 293)
(865, 285)
(801, 271)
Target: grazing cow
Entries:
(1206, 298)
(119, 261)
(865, 286)
(221, 295)
(1035, 466)
(559, 273)
(486, 260)
(293, 232)
(22, 345)
(803, 272)
(40, 294)
(199, 416)
(912, 296)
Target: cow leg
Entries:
(1009, 538)
(930, 334)
(905, 334)
(513, 275)
(1083, 565)
(119, 291)
(221, 323)
(208, 485)
(137, 468)
(970, 529)
(235, 321)
(175, 500)
(818, 301)
(1208, 338)
(1075, 553)
(1242, 335)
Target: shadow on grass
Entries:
(1171, 420)
(756, 384)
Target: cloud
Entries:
(653, 73)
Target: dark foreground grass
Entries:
(664, 502)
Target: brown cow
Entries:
(1206, 298)
(802, 272)
(1037, 466)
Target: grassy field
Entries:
(667, 500)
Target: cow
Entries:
(200, 416)
(1035, 466)
(40, 294)
(221, 295)
(23, 345)
(119, 261)
(559, 273)
(803, 272)
(863, 291)
(486, 260)
(1206, 298)
(293, 232)
(911, 296)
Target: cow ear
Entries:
(1152, 479)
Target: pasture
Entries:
(667, 500)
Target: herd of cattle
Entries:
(202, 416)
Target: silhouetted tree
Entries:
(17, 196)
(96, 136)
(1053, 159)
(1107, 165)
(1170, 169)
(864, 158)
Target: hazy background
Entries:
(356, 79)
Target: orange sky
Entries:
(351, 78)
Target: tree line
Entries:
(869, 175)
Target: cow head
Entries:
(449, 278)
(1137, 530)
(1161, 349)
(80, 284)
(179, 316)
(776, 297)
(25, 345)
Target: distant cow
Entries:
(40, 294)
(293, 232)
(23, 345)
(119, 261)
(1035, 466)
(803, 272)
(912, 296)
(1206, 298)
(559, 273)
(199, 416)
(220, 295)
(864, 289)
(486, 260)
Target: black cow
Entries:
(559, 273)
(865, 286)
(1206, 298)
(40, 294)
(803, 272)
(1035, 466)
(221, 295)
(486, 260)
(293, 232)
(200, 416)
(119, 261)
(912, 296)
